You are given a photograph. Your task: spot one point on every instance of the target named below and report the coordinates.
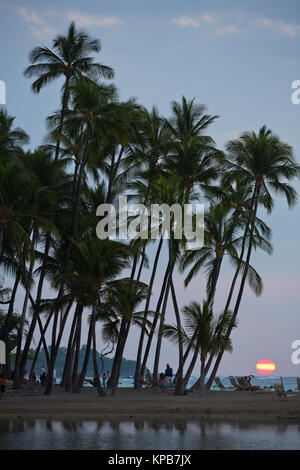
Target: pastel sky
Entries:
(240, 61)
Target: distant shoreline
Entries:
(128, 404)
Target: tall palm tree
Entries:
(70, 57)
(260, 160)
(94, 263)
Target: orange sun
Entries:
(265, 367)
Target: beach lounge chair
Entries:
(237, 386)
(242, 383)
(233, 382)
(220, 385)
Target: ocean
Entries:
(290, 383)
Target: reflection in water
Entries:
(146, 434)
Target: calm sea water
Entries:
(143, 435)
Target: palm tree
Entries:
(69, 58)
(204, 332)
(94, 263)
(47, 193)
(188, 120)
(11, 139)
(124, 296)
(267, 164)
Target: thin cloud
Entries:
(186, 21)
(235, 22)
(84, 19)
(36, 22)
(292, 30)
(209, 20)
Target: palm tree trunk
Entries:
(55, 347)
(36, 310)
(37, 351)
(81, 377)
(142, 335)
(191, 366)
(155, 320)
(162, 321)
(216, 274)
(77, 342)
(69, 355)
(179, 379)
(5, 330)
(65, 100)
(202, 376)
(17, 379)
(74, 230)
(116, 367)
(97, 382)
(254, 205)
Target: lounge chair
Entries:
(220, 385)
(238, 386)
(243, 383)
(233, 382)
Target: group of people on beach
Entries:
(165, 379)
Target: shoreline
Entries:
(128, 404)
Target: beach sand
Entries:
(129, 403)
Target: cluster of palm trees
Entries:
(96, 149)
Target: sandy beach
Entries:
(129, 403)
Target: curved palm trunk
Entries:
(81, 377)
(17, 378)
(36, 310)
(189, 347)
(37, 351)
(202, 375)
(155, 320)
(62, 114)
(254, 205)
(179, 375)
(69, 355)
(191, 367)
(216, 274)
(97, 382)
(116, 367)
(74, 230)
(142, 335)
(162, 321)
(5, 330)
(55, 347)
(77, 342)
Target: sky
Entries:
(240, 61)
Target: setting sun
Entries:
(265, 366)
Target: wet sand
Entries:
(129, 403)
